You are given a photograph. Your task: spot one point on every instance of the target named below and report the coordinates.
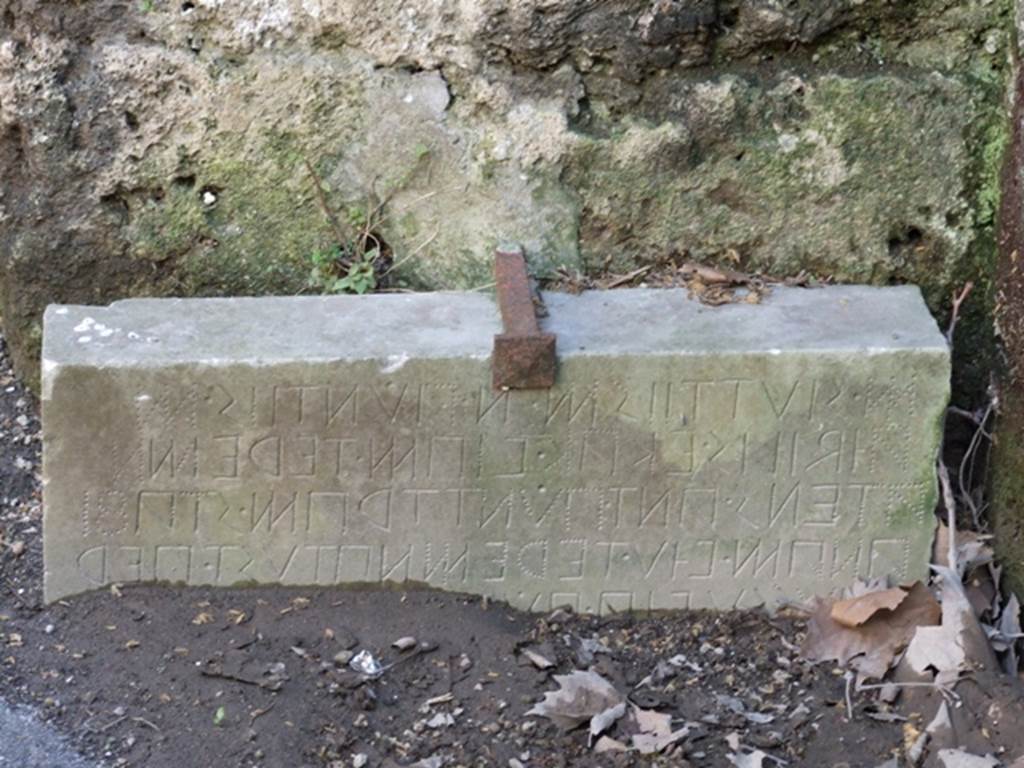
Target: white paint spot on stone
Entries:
(84, 339)
(61, 311)
(395, 362)
(86, 324)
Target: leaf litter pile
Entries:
(883, 676)
(711, 285)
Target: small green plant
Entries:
(334, 271)
(360, 261)
(360, 258)
(362, 274)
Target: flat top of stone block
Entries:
(396, 327)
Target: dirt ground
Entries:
(173, 677)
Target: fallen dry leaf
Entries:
(202, 618)
(746, 757)
(975, 565)
(940, 732)
(957, 758)
(911, 736)
(538, 660)
(1008, 634)
(604, 720)
(649, 721)
(866, 586)
(753, 759)
(870, 647)
(655, 732)
(708, 274)
(608, 744)
(580, 697)
(937, 649)
(972, 549)
(440, 720)
(958, 642)
(715, 286)
(857, 610)
(649, 744)
(886, 717)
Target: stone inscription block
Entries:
(687, 456)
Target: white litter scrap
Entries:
(364, 663)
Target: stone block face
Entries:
(687, 456)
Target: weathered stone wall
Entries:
(154, 147)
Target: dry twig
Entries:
(947, 489)
(339, 233)
(958, 300)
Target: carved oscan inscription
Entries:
(633, 484)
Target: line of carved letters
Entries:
(327, 406)
(459, 457)
(453, 457)
(563, 562)
(335, 514)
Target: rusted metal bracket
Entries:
(524, 357)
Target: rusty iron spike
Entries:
(524, 356)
